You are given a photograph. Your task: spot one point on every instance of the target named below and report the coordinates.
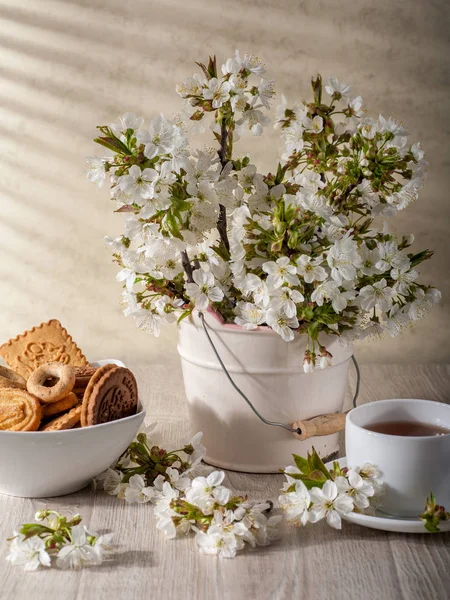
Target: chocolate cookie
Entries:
(112, 396)
(92, 382)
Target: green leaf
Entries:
(316, 463)
(32, 529)
(113, 143)
(313, 330)
(302, 464)
(183, 316)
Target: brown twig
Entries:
(187, 266)
(222, 221)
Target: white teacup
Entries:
(411, 467)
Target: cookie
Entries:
(51, 382)
(65, 421)
(55, 408)
(46, 343)
(83, 375)
(113, 396)
(94, 379)
(10, 379)
(19, 410)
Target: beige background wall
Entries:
(67, 65)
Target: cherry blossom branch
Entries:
(222, 221)
(187, 266)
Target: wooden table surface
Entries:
(315, 562)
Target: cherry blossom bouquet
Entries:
(312, 492)
(186, 501)
(304, 249)
(56, 539)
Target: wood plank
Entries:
(315, 562)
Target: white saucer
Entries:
(385, 522)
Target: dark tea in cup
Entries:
(407, 428)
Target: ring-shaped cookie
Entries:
(41, 382)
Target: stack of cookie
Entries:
(64, 392)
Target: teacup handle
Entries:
(321, 425)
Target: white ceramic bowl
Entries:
(53, 463)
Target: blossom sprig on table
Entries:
(54, 539)
(222, 522)
(299, 249)
(144, 467)
(433, 515)
(312, 492)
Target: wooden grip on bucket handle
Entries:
(321, 425)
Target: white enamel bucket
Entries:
(269, 371)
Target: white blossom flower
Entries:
(199, 452)
(293, 137)
(343, 259)
(193, 86)
(390, 257)
(221, 539)
(316, 203)
(230, 66)
(372, 475)
(250, 315)
(159, 138)
(314, 125)
(112, 482)
(357, 107)
(309, 269)
(286, 299)
(28, 553)
(281, 271)
(368, 196)
(403, 278)
(250, 62)
(357, 488)
(392, 126)
(203, 290)
(96, 172)
(308, 365)
(419, 307)
(378, 294)
(369, 128)
(256, 120)
(329, 503)
(216, 91)
(138, 491)
(128, 276)
(296, 504)
(417, 152)
(369, 259)
(335, 87)
(281, 323)
(340, 299)
(138, 183)
(254, 285)
(79, 553)
(147, 320)
(266, 92)
(324, 291)
(206, 491)
(127, 121)
(103, 546)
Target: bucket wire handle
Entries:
(322, 419)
